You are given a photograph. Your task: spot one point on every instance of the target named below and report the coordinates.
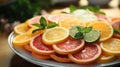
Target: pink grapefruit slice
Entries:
(87, 55)
(39, 47)
(68, 46)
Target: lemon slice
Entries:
(21, 28)
(55, 35)
(21, 40)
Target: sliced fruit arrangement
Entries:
(81, 36)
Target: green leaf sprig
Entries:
(78, 32)
(117, 30)
(44, 25)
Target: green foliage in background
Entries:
(25, 9)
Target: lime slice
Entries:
(92, 36)
(73, 31)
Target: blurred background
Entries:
(14, 12)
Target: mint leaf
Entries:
(72, 8)
(51, 25)
(79, 28)
(79, 35)
(37, 25)
(87, 29)
(43, 22)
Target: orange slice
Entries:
(87, 55)
(60, 58)
(55, 35)
(21, 40)
(69, 46)
(68, 22)
(21, 28)
(105, 58)
(111, 46)
(105, 29)
(39, 47)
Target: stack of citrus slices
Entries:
(70, 40)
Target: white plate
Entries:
(27, 56)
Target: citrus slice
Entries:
(27, 47)
(88, 54)
(55, 18)
(105, 58)
(39, 47)
(21, 28)
(92, 36)
(105, 29)
(60, 58)
(102, 17)
(111, 46)
(55, 35)
(69, 46)
(21, 40)
(84, 15)
(68, 22)
(40, 56)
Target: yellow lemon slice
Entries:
(21, 28)
(21, 39)
(111, 46)
(68, 22)
(105, 29)
(55, 35)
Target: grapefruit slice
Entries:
(60, 58)
(40, 56)
(68, 46)
(55, 18)
(88, 54)
(39, 47)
